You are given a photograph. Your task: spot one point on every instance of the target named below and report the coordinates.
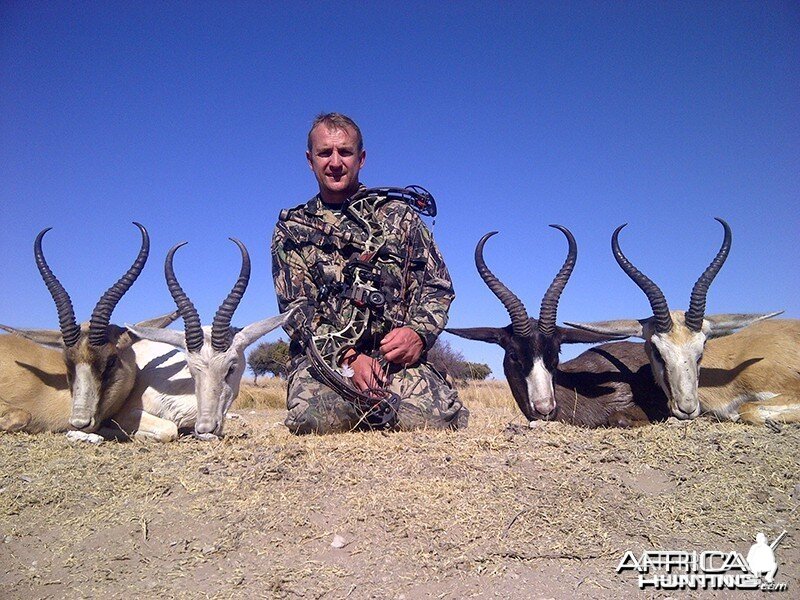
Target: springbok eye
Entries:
(699, 358)
(657, 355)
(512, 356)
(112, 360)
(231, 369)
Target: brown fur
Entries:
(34, 395)
(764, 357)
(610, 385)
(35, 381)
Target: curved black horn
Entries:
(220, 327)
(191, 320)
(549, 308)
(70, 331)
(654, 294)
(101, 315)
(516, 309)
(697, 302)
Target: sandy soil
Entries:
(498, 511)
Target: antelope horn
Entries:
(549, 308)
(98, 324)
(658, 302)
(70, 331)
(697, 302)
(191, 320)
(220, 327)
(516, 309)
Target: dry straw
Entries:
(439, 514)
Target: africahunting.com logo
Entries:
(707, 570)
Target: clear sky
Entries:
(191, 117)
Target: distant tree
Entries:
(447, 359)
(269, 357)
(477, 371)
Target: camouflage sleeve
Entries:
(427, 314)
(292, 280)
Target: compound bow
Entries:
(326, 351)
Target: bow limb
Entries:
(369, 402)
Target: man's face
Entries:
(336, 161)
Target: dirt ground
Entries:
(501, 510)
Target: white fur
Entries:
(681, 368)
(540, 388)
(85, 396)
(191, 389)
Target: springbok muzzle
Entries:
(207, 429)
(540, 388)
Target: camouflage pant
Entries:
(427, 402)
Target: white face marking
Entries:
(217, 376)
(540, 388)
(679, 365)
(85, 396)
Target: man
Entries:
(316, 249)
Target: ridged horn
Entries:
(220, 327)
(191, 320)
(549, 308)
(658, 303)
(70, 331)
(101, 315)
(697, 302)
(516, 309)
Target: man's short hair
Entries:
(336, 121)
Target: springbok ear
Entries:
(49, 338)
(491, 335)
(248, 335)
(623, 328)
(570, 335)
(126, 339)
(173, 337)
(159, 322)
(726, 324)
(119, 336)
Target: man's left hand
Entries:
(402, 346)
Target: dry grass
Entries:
(489, 394)
(269, 393)
(497, 509)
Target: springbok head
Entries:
(101, 368)
(215, 356)
(674, 340)
(531, 345)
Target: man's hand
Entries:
(402, 346)
(367, 372)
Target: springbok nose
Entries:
(544, 407)
(686, 408)
(207, 431)
(679, 410)
(81, 422)
(204, 426)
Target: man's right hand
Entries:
(367, 372)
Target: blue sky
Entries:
(191, 118)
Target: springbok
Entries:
(751, 375)
(609, 385)
(197, 386)
(88, 381)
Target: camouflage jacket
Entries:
(306, 262)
